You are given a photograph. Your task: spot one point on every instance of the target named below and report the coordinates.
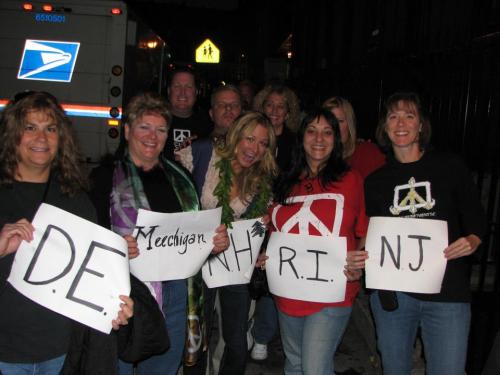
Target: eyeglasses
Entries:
(227, 106)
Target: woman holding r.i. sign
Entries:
(319, 197)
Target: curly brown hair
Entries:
(66, 163)
(291, 100)
(266, 169)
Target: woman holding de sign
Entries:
(140, 177)
(319, 196)
(443, 318)
(39, 164)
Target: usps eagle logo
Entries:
(46, 60)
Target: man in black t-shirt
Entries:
(186, 121)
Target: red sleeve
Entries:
(366, 159)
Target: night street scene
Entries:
(250, 187)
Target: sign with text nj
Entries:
(173, 246)
(47, 60)
(236, 264)
(307, 268)
(73, 267)
(406, 254)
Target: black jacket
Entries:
(95, 353)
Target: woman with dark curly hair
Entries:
(320, 180)
(38, 164)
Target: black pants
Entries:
(235, 304)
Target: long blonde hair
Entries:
(264, 170)
(344, 105)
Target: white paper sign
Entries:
(236, 264)
(173, 246)
(307, 268)
(73, 267)
(406, 254)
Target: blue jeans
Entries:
(174, 310)
(266, 320)
(235, 304)
(310, 341)
(445, 330)
(50, 367)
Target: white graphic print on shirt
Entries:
(408, 197)
(305, 217)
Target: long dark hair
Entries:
(335, 166)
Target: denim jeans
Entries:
(235, 304)
(265, 324)
(445, 331)
(174, 310)
(50, 367)
(310, 341)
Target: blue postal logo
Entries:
(45, 60)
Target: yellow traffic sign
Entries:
(207, 52)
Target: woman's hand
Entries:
(133, 250)
(355, 262)
(221, 239)
(353, 275)
(462, 247)
(13, 234)
(261, 260)
(126, 312)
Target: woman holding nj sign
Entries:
(318, 191)
(444, 317)
(141, 177)
(39, 164)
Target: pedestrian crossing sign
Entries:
(46, 60)
(207, 52)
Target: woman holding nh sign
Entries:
(39, 164)
(444, 317)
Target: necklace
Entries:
(256, 208)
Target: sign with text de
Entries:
(73, 267)
(173, 246)
(307, 268)
(236, 264)
(406, 254)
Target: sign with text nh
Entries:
(236, 264)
